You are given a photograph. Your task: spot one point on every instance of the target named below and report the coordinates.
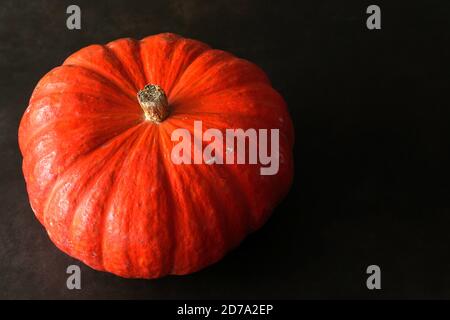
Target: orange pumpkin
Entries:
(97, 164)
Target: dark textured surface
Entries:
(371, 114)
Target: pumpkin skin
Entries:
(100, 178)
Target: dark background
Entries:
(371, 116)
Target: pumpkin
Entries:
(96, 144)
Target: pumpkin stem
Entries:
(153, 101)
